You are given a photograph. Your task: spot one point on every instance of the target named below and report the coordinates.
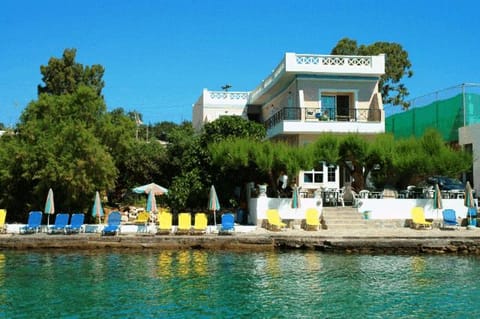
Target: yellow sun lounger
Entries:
(142, 218)
(312, 219)
(165, 223)
(184, 223)
(3, 215)
(273, 220)
(418, 219)
(201, 222)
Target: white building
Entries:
(304, 96)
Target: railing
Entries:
(324, 115)
(222, 95)
(285, 114)
(335, 60)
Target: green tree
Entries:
(353, 153)
(232, 126)
(67, 156)
(142, 165)
(256, 161)
(187, 163)
(379, 160)
(409, 161)
(15, 190)
(189, 152)
(397, 66)
(161, 130)
(64, 75)
(324, 149)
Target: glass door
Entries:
(329, 107)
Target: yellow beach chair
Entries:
(312, 219)
(184, 223)
(165, 223)
(418, 219)
(200, 225)
(3, 216)
(273, 220)
(142, 218)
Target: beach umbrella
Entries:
(97, 209)
(296, 197)
(49, 206)
(151, 203)
(437, 199)
(213, 203)
(469, 201)
(146, 189)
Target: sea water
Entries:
(207, 284)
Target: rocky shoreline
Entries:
(426, 242)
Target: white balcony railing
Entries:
(222, 95)
(332, 60)
(223, 98)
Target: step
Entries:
(366, 224)
(350, 218)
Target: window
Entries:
(313, 177)
(331, 173)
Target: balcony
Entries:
(327, 65)
(314, 120)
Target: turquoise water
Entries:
(204, 284)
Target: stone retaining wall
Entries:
(264, 242)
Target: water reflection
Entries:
(200, 264)
(420, 273)
(164, 264)
(312, 261)
(2, 268)
(418, 264)
(2, 278)
(182, 263)
(195, 283)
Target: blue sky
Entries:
(159, 55)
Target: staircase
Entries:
(349, 218)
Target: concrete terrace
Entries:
(346, 232)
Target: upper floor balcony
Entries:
(314, 121)
(322, 65)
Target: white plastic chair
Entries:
(341, 192)
(364, 193)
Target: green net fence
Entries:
(442, 111)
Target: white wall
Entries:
(471, 135)
(401, 208)
(258, 208)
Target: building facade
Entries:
(307, 95)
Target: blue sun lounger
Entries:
(61, 221)
(33, 223)
(449, 218)
(113, 224)
(76, 224)
(228, 224)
